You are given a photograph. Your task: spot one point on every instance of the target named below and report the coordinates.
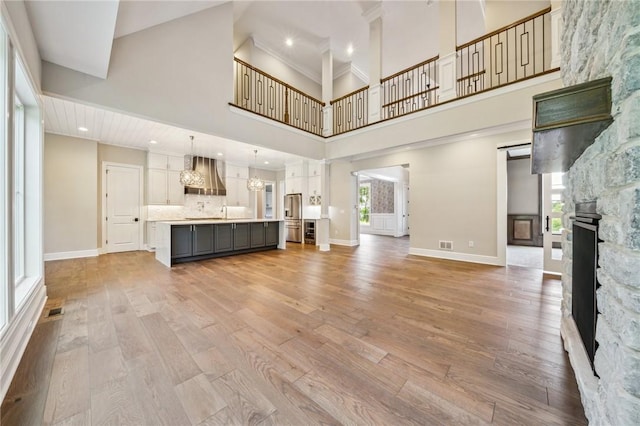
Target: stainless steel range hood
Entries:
(213, 185)
(566, 122)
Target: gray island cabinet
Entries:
(189, 240)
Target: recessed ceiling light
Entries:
(83, 129)
(350, 50)
(220, 154)
(153, 142)
(266, 162)
(289, 41)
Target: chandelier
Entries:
(255, 183)
(189, 176)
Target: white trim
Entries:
(348, 243)
(501, 208)
(462, 257)
(15, 338)
(71, 254)
(324, 247)
(350, 68)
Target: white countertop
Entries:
(214, 220)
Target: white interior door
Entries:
(122, 199)
(552, 203)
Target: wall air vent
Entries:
(445, 245)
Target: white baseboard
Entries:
(71, 254)
(348, 243)
(14, 340)
(324, 247)
(452, 255)
(390, 232)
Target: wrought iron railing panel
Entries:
(513, 53)
(410, 90)
(351, 111)
(263, 94)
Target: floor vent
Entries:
(446, 245)
(55, 312)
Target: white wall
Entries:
(408, 41)
(346, 83)
(523, 193)
(25, 41)
(469, 20)
(179, 73)
(70, 194)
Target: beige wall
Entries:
(70, 192)
(523, 191)
(453, 193)
(500, 13)
(116, 154)
(258, 58)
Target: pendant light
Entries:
(255, 183)
(189, 176)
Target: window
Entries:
(365, 202)
(4, 214)
(18, 192)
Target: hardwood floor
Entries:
(364, 335)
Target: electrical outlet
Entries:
(471, 244)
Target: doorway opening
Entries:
(533, 213)
(383, 203)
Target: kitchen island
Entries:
(179, 241)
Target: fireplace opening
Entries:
(584, 307)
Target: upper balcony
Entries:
(517, 52)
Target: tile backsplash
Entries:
(198, 206)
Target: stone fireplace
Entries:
(600, 39)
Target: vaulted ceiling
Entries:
(79, 35)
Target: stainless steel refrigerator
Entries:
(293, 217)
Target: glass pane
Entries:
(556, 225)
(365, 202)
(556, 251)
(557, 180)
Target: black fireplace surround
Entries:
(585, 280)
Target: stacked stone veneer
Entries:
(602, 38)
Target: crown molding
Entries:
(314, 76)
(350, 68)
(373, 13)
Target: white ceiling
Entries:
(75, 34)
(63, 117)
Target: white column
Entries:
(556, 35)
(322, 225)
(374, 16)
(327, 88)
(447, 65)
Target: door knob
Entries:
(136, 219)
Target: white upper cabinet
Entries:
(163, 179)
(236, 182)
